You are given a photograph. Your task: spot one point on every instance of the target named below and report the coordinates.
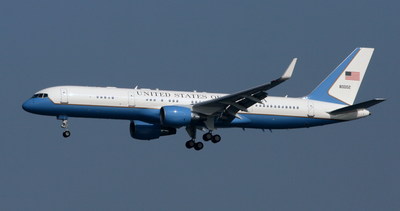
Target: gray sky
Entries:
(215, 46)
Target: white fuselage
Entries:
(155, 99)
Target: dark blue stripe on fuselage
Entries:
(47, 107)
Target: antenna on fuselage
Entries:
(136, 87)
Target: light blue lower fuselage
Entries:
(45, 106)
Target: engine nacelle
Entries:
(145, 131)
(175, 116)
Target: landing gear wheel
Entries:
(190, 144)
(207, 136)
(198, 146)
(66, 134)
(216, 138)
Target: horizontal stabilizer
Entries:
(362, 105)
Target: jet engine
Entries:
(176, 116)
(145, 131)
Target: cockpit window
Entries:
(40, 95)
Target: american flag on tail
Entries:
(352, 76)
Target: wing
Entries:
(227, 106)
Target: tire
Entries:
(207, 136)
(66, 134)
(216, 139)
(190, 144)
(198, 146)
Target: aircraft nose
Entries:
(27, 106)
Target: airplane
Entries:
(154, 113)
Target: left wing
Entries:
(228, 106)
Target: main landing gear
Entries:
(199, 145)
(193, 144)
(64, 125)
(214, 138)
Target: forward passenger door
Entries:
(131, 99)
(64, 96)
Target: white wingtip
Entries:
(289, 70)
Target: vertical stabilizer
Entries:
(342, 85)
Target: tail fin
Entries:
(342, 85)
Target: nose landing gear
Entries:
(64, 125)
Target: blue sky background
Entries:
(214, 46)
